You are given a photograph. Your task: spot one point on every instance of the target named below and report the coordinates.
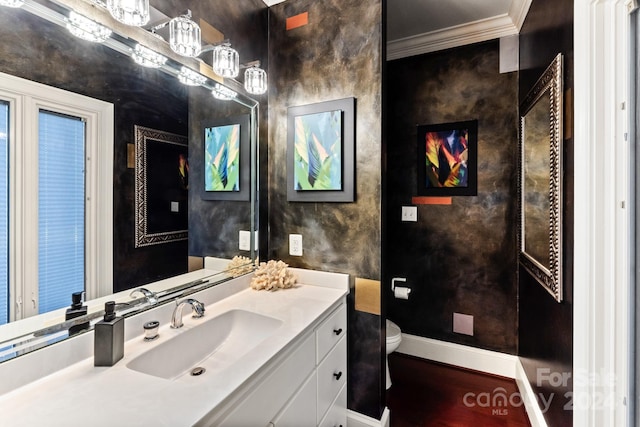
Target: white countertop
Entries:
(84, 395)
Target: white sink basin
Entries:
(215, 344)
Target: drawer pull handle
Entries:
(338, 375)
(337, 331)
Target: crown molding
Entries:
(518, 12)
(507, 24)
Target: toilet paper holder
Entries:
(400, 292)
(397, 279)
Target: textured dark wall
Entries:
(213, 224)
(545, 333)
(37, 50)
(337, 55)
(458, 257)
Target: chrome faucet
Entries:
(151, 297)
(196, 306)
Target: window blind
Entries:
(61, 212)
(4, 212)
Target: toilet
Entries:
(394, 336)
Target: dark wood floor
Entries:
(427, 393)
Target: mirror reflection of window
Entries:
(61, 213)
(56, 150)
(4, 212)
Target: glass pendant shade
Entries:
(190, 77)
(84, 28)
(130, 12)
(184, 36)
(147, 57)
(226, 61)
(255, 80)
(223, 93)
(11, 3)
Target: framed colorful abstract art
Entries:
(226, 159)
(321, 152)
(448, 159)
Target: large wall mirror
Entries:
(540, 180)
(38, 48)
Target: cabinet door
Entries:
(332, 375)
(337, 414)
(301, 409)
(273, 393)
(331, 331)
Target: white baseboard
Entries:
(356, 419)
(529, 398)
(491, 362)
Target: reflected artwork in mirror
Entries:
(540, 180)
(37, 47)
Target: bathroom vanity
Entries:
(258, 358)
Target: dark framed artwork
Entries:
(227, 160)
(161, 187)
(321, 152)
(448, 159)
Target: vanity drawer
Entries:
(331, 331)
(332, 376)
(337, 414)
(273, 393)
(301, 409)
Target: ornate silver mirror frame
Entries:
(171, 229)
(540, 180)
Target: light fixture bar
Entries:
(129, 12)
(12, 3)
(184, 36)
(147, 58)
(190, 77)
(86, 29)
(226, 61)
(223, 93)
(255, 80)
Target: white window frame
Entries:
(26, 99)
(602, 221)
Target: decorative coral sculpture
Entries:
(273, 275)
(239, 265)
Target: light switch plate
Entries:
(295, 244)
(463, 324)
(244, 240)
(175, 206)
(410, 213)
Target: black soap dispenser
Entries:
(77, 309)
(108, 345)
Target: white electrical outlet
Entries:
(175, 207)
(295, 244)
(244, 240)
(410, 213)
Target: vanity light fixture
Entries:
(147, 57)
(223, 93)
(86, 29)
(255, 80)
(184, 36)
(130, 12)
(11, 3)
(190, 77)
(226, 61)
